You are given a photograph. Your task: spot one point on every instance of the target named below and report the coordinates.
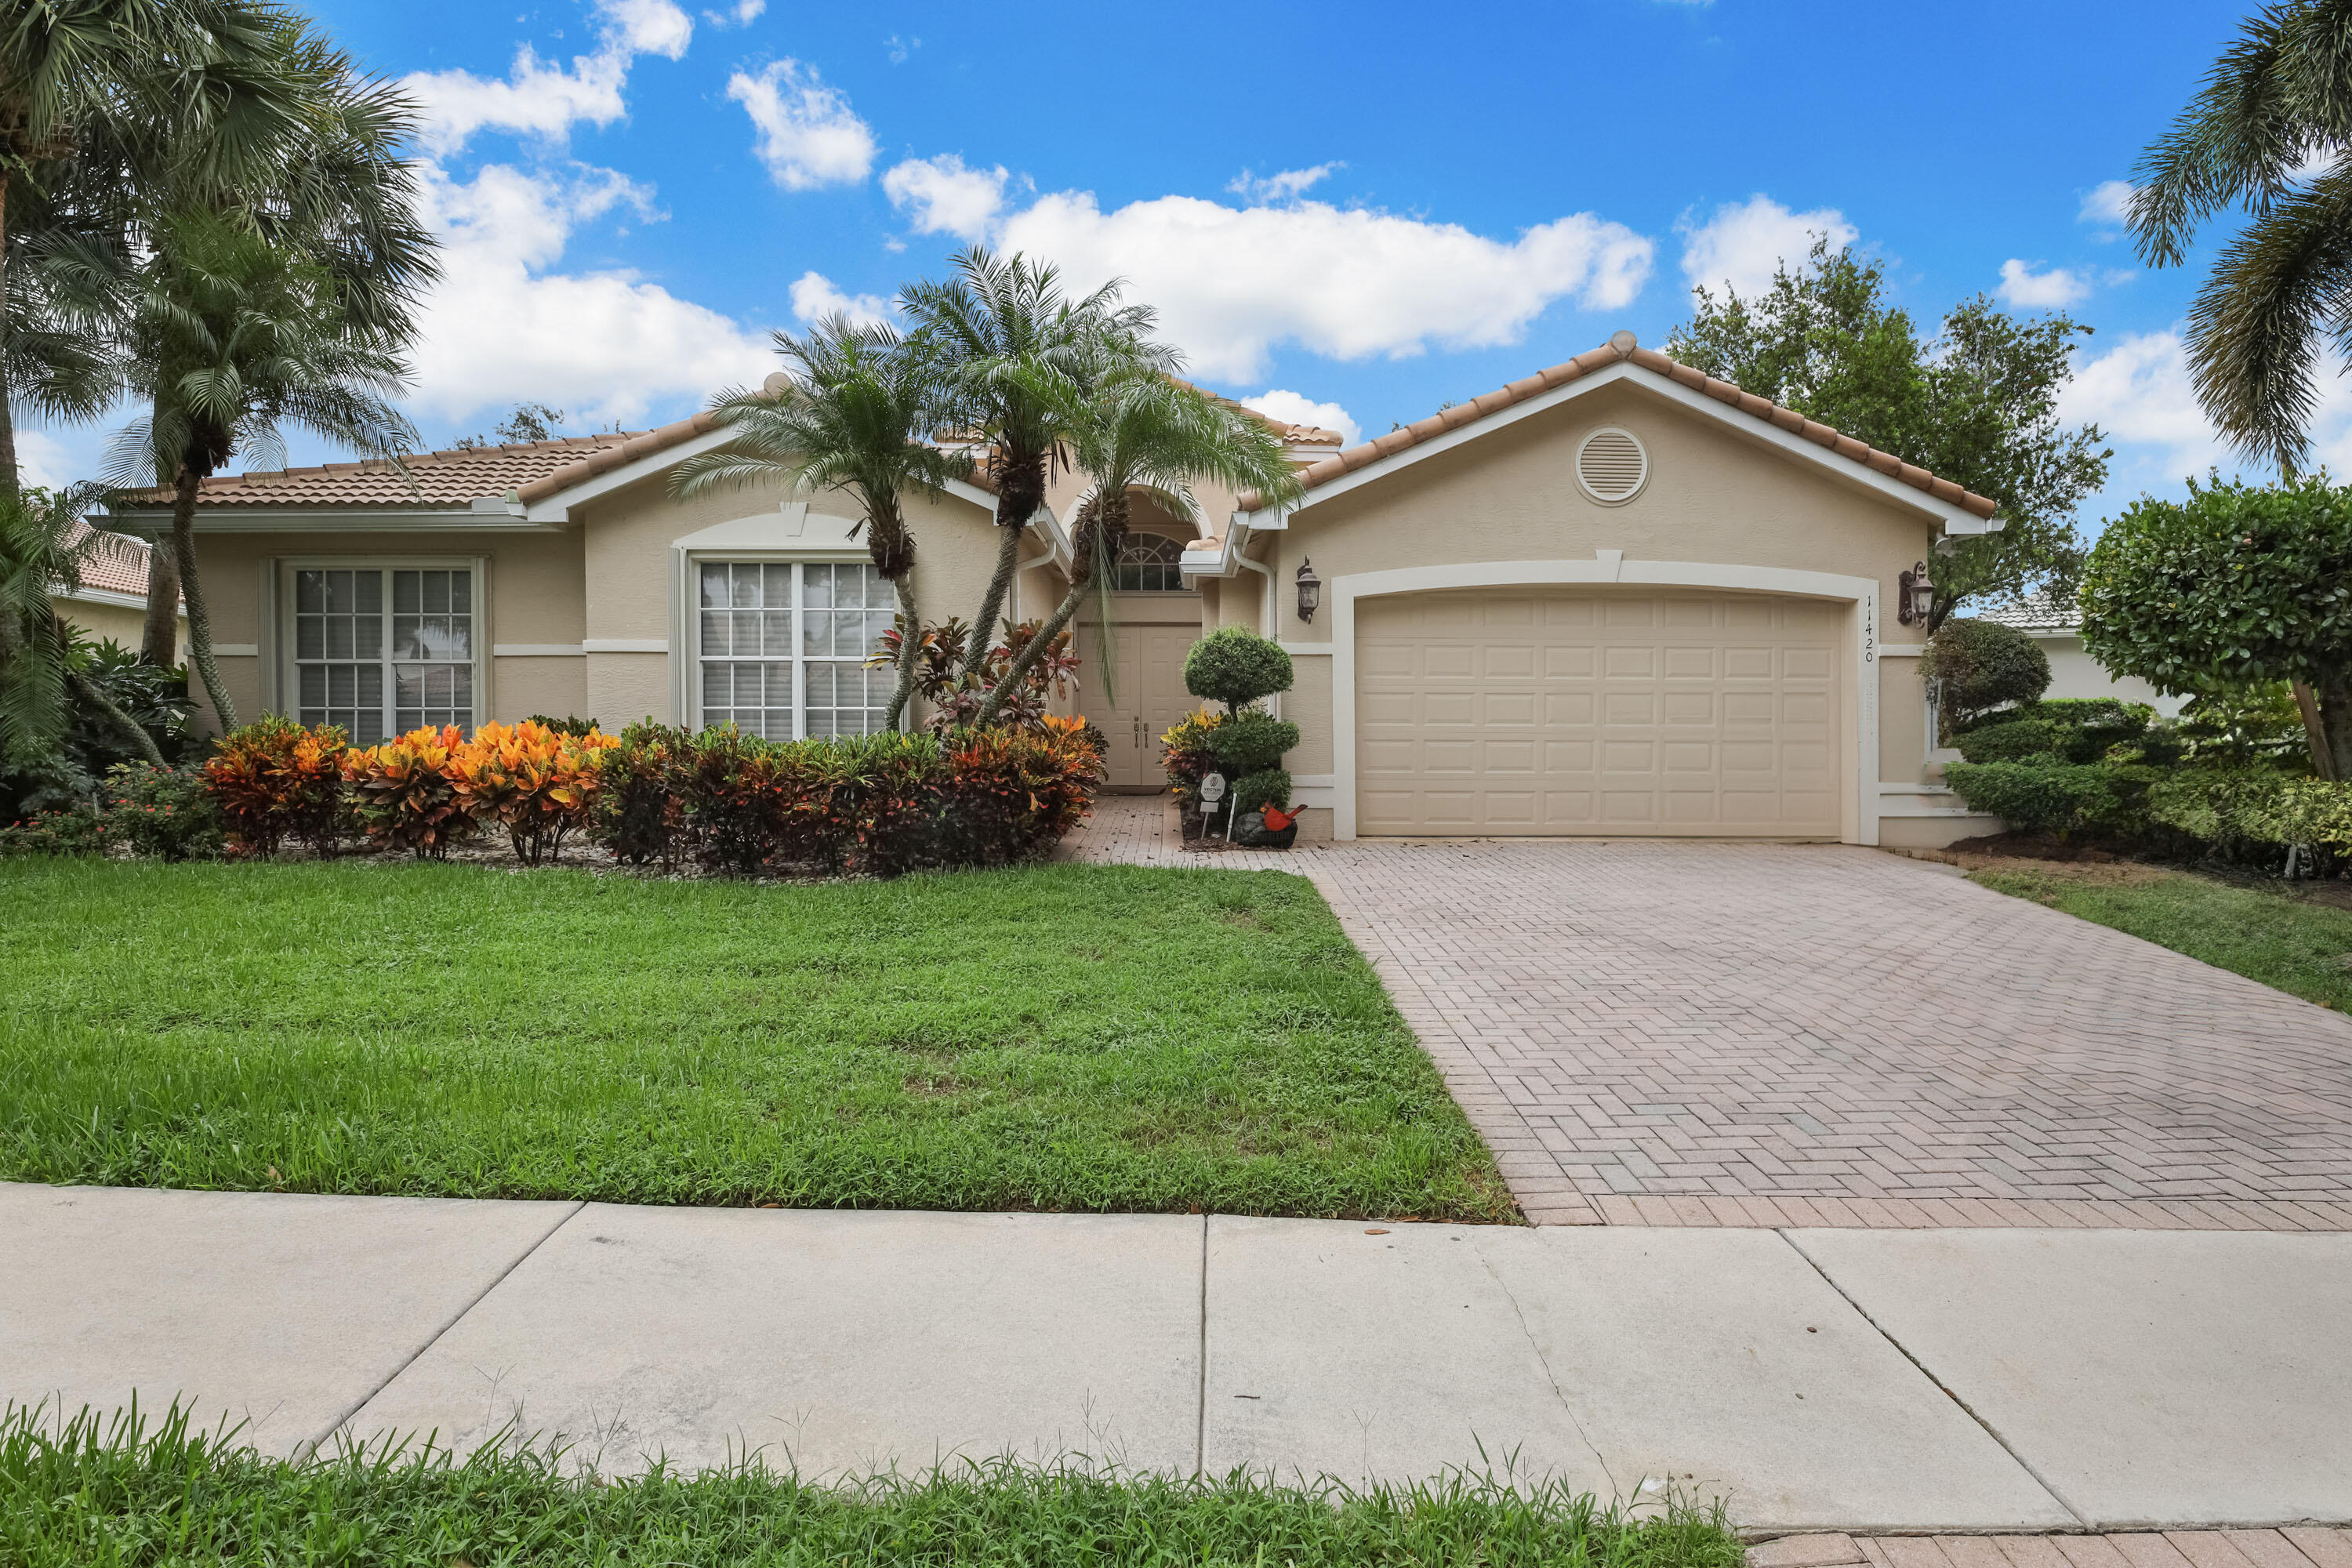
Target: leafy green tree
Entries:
(233, 339)
(1137, 432)
(1977, 403)
(2236, 586)
(1019, 356)
(2269, 133)
(44, 549)
(855, 415)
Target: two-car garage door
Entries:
(1635, 712)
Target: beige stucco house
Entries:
(1613, 598)
(109, 603)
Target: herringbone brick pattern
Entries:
(1671, 1033)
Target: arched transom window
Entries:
(1149, 563)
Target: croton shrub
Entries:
(656, 795)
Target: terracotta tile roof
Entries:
(1619, 348)
(455, 477)
(122, 569)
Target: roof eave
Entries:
(1955, 519)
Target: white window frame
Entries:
(284, 693)
(688, 644)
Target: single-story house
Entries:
(1614, 598)
(2057, 627)
(110, 604)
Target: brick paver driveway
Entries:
(1653, 1032)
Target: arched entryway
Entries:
(1133, 673)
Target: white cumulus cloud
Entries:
(2109, 204)
(2030, 290)
(1298, 408)
(743, 14)
(1290, 185)
(1742, 243)
(808, 135)
(814, 297)
(543, 98)
(504, 325)
(940, 195)
(1230, 283)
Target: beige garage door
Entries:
(1554, 712)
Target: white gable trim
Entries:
(1956, 519)
(561, 506)
(1860, 814)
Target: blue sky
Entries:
(1368, 211)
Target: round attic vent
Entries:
(1611, 466)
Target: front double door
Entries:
(1134, 691)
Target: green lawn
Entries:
(1057, 1038)
(106, 1495)
(2265, 934)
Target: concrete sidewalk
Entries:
(1957, 1380)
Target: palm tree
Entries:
(1018, 353)
(856, 415)
(2270, 133)
(231, 340)
(44, 547)
(70, 72)
(1139, 432)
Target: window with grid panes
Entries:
(1148, 563)
(782, 647)
(382, 650)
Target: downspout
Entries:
(1266, 600)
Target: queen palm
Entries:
(1137, 432)
(231, 341)
(1018, 353)
(2270, 133)
(856, 414)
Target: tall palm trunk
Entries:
(199, 624)
(1020, 491)
(1098, 523)
(7, 420)
(88, 690)
(910, 648)
(159, 642)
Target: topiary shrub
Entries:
(1236, 667)
(1256, 791)
(1251, 742)
(2013, 741)
(1981, 667)
(2061, 798)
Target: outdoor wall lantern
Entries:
(1310, 590)
(1917, 599)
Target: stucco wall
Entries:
(1712, 496)
(2074, 673)
(631, 586)
(534, 584)
(124, 624)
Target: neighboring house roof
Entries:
(2039, 613)
(1622, 348)
(458, 476)
(122, 569)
